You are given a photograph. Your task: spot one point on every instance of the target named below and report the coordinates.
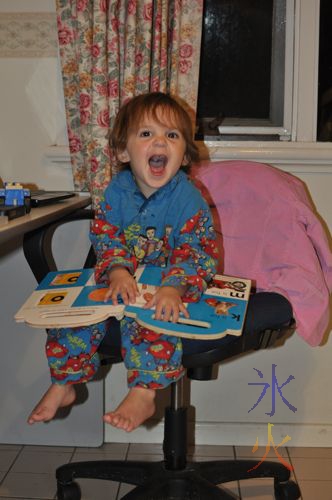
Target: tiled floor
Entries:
(27, 472)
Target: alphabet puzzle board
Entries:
(72, 298)
(67, 299)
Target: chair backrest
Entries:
(271, 234)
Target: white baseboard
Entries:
(234, 434)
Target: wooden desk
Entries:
(42, 216)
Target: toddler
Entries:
(152, 215)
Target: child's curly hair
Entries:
(159, 106)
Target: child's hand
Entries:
(168, 304)
(122, 283)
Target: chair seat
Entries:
(270, 311)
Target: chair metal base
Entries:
(197, 481)
(174, 478)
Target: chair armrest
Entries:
(37, 244)
(270, 338)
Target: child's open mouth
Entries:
(157, 164)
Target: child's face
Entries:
(155, 151)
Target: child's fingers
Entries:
(127, 295)
(174, 316)
(127, 291)
(113, 295)
(184, 310)
(167, 309)
(108, 295)
(150, 303)
(169, 312)
(179, 308)
(163, 312)
(133, 293)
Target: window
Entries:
(324, 112)
(298, 129)
(246, 72)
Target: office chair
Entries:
(175, 477)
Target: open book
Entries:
(72, 298)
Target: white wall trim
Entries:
(289, 152)
(299, 157)
(295, 157)
(235, 434)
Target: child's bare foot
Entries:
(54, 398)
(136, 407)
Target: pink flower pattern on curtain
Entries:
(111, 50)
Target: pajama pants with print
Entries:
(152, 360)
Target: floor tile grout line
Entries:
(294, 473)
(126, 460)
(72, 455)
(11, 465)
(238, 482)
(127, 451)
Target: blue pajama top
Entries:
(172, 228)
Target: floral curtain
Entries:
(111, 50)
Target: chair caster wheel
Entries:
(288, 490)
(69, 491)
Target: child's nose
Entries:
(160, 140)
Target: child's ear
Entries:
(185, 161)
(123, 156)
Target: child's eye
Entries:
(145, 133)
(173, 135)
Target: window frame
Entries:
(281, 90)
(306, 43)
(303, 152)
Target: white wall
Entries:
(29, 103)
(29, 99)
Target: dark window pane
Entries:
(324, 128)
(235, 70)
